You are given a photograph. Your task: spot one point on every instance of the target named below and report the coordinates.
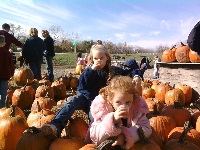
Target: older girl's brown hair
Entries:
(124, 84)
(33, 32)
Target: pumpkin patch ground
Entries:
(50, 97)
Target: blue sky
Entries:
(145, 23)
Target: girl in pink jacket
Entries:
(116, 103)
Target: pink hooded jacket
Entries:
(103, 126)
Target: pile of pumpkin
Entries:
(182, 54)
(30, 104)
(173, 126)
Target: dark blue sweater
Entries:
(91, 81)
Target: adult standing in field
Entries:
(7, 70)
(9, 38)
(32, 52)
(49, 53)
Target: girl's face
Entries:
(122, 99)
(99, 58)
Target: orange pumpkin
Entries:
(187, 91)
(161, 90)
(194, 57)
(22, 75)
(64, 143)
(59, 89)
(162, 125)
(192, 136)
(11, 129)
(148, 92)
(169, 55)
(175, 112)
(78, 128)
(182, 53)
(175, 95)
(33, 139)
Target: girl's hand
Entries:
(120, 140)
(121, 112)
(96, 66)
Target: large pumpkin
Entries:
(59, 89)
(187, 90)
(194, 57)
(23, 98)
(23, 76)
(33, 139)
(78, 128)
(64, 144)
(175, 95)
(162, 125)
(169, 55)
(11, 129)
(178, 113)
(182, 53)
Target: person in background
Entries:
(49, 53)
(7, 70)
(13, 56)
(156, 67)
(118, 111)
(9, 38)
(33, 51)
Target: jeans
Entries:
(49, 66)
(3, 92)
(155, 73)
(36, 68)
(77, 102)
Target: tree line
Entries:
(64, 42)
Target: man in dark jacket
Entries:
(194, 38)
(49, 53)
(9, 38)
(6, 70)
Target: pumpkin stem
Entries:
(68, 136)
(12, 112)
(182, 44)
(173, 47)
(155, 109)
(7, 102)
(33, 130)
(47, 95)
(177, 104)
(187, 127)
(141, 135)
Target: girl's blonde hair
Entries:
(124, 84)
(100, 47)
(33, 32)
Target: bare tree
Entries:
(19, 34)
